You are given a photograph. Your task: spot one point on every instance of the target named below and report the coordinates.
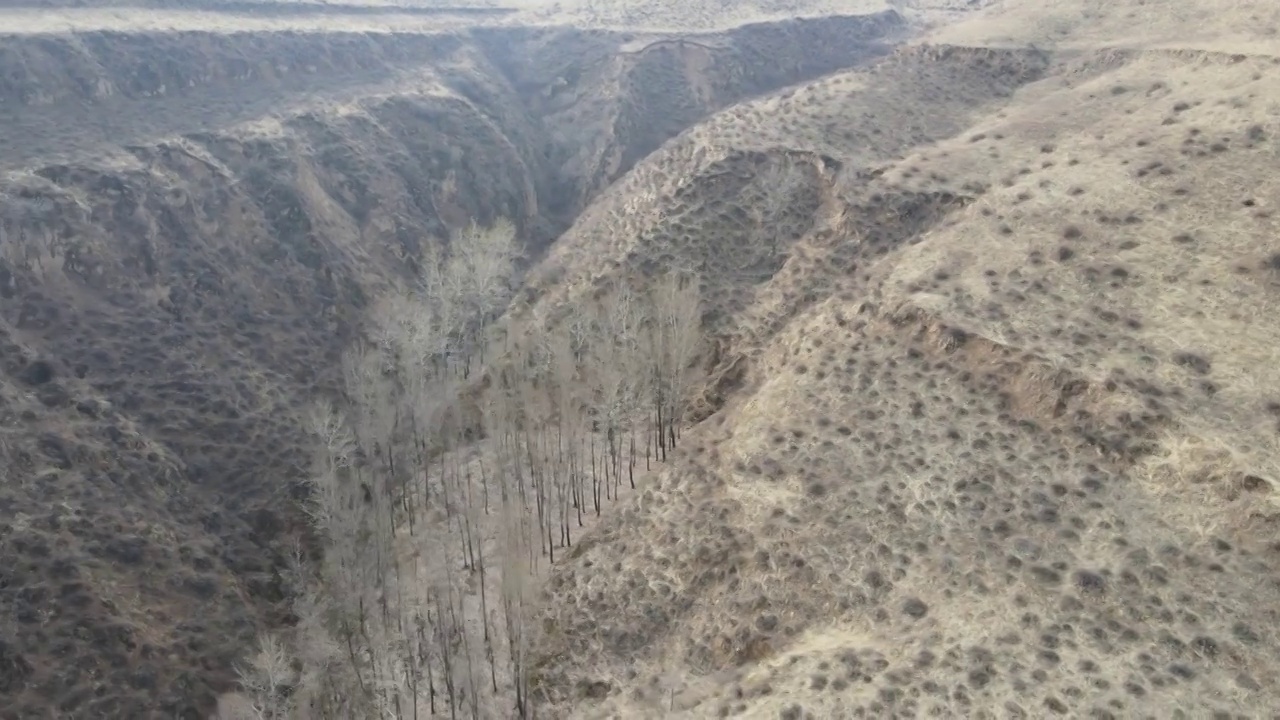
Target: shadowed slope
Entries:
(168, 307)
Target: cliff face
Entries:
(180, 274)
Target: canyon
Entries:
(986, 415)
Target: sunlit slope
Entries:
(994, 431)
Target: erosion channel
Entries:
(195, 220)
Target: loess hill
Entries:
(988, 415)
(991, 426)
(196, 210)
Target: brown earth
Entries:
(991, 425)
(994, 429)
(192, 223)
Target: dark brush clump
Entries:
(915, 608)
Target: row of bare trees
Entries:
(466, 454)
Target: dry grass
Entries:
(711, 199)
(892, 539)
(1140, 245)
(989, 426)
(677, 16)
(1231, 26)
(1006, 443)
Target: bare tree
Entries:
(266, 680)
(779, 184)
(471, 284)
(674, 332)
(458, 460)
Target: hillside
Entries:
(984, 416)
(196, 212)
(992, 428)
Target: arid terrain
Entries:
(984, 419)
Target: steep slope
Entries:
(164, 316)
(191, 228)
(989, 426)
(608, 110)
